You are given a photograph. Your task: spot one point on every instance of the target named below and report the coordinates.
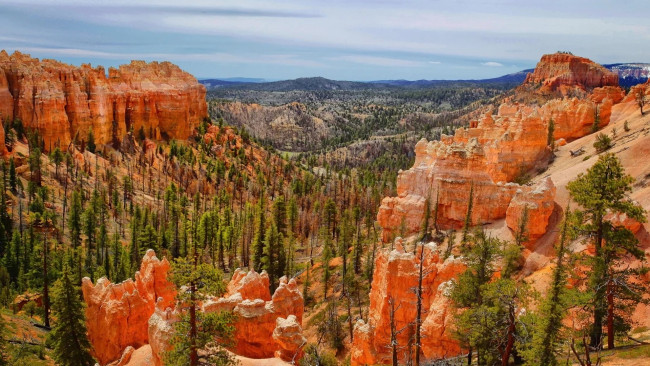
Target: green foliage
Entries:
(549, 335)
(603, 189)
(274, 260)
(550, 139)
(71, 346)
(91, 141)
(603, 143)
(196, 330)
(596, 126)
(468, 215)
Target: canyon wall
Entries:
(63, 101)
(394, 281)
(495, 151)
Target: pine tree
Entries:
(326, 256)
(550, 139)
(280, 215)
(273, 260)
(474, 327)
(71, 345)
(468, 216)
(197, 330)
(547, 333)
(12, 174)
(91, 141)
(603, 189)
(258, 239)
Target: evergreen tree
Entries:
(258, 239)
(91, 141)
(474, 326)
(280, 215)
(468, 216)
(71, 345)
(12, 174)
(547, 334)
(603, 189)
(197, 330)
(274, 256)
(550, 139)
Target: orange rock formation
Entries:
(266, 325)
(63, 101)
(563, 72)
(538, 203)
(117, 315)
(395, 278)
(499, 149)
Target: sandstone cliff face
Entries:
(497, 150)
(538, 204)
(482, 159)
(395, 277)
(564, 72)
(117, 315)
(63, 101)
(264, 328)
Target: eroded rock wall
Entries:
(63, 101)
(395, 279)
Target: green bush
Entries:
(603, 143)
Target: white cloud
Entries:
(492, 64)
(379, 61)
(435, 62)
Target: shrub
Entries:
(603, 143)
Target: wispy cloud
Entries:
(379, 61)
(492, 64)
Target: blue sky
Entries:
(345, 40)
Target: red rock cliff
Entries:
(563, 72)
(63, 101)
(395, 277)
(117, 315)
(499, 149)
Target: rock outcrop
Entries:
(63, 101)
(394, 280)
(481, 159)
(258, 331)
(538, 204)
(288, 336)
(497, 150)
(160, 331)
(564, 72)
(117, 315)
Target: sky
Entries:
(337, 39)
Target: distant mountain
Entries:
(219, 83)
(629, 74)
